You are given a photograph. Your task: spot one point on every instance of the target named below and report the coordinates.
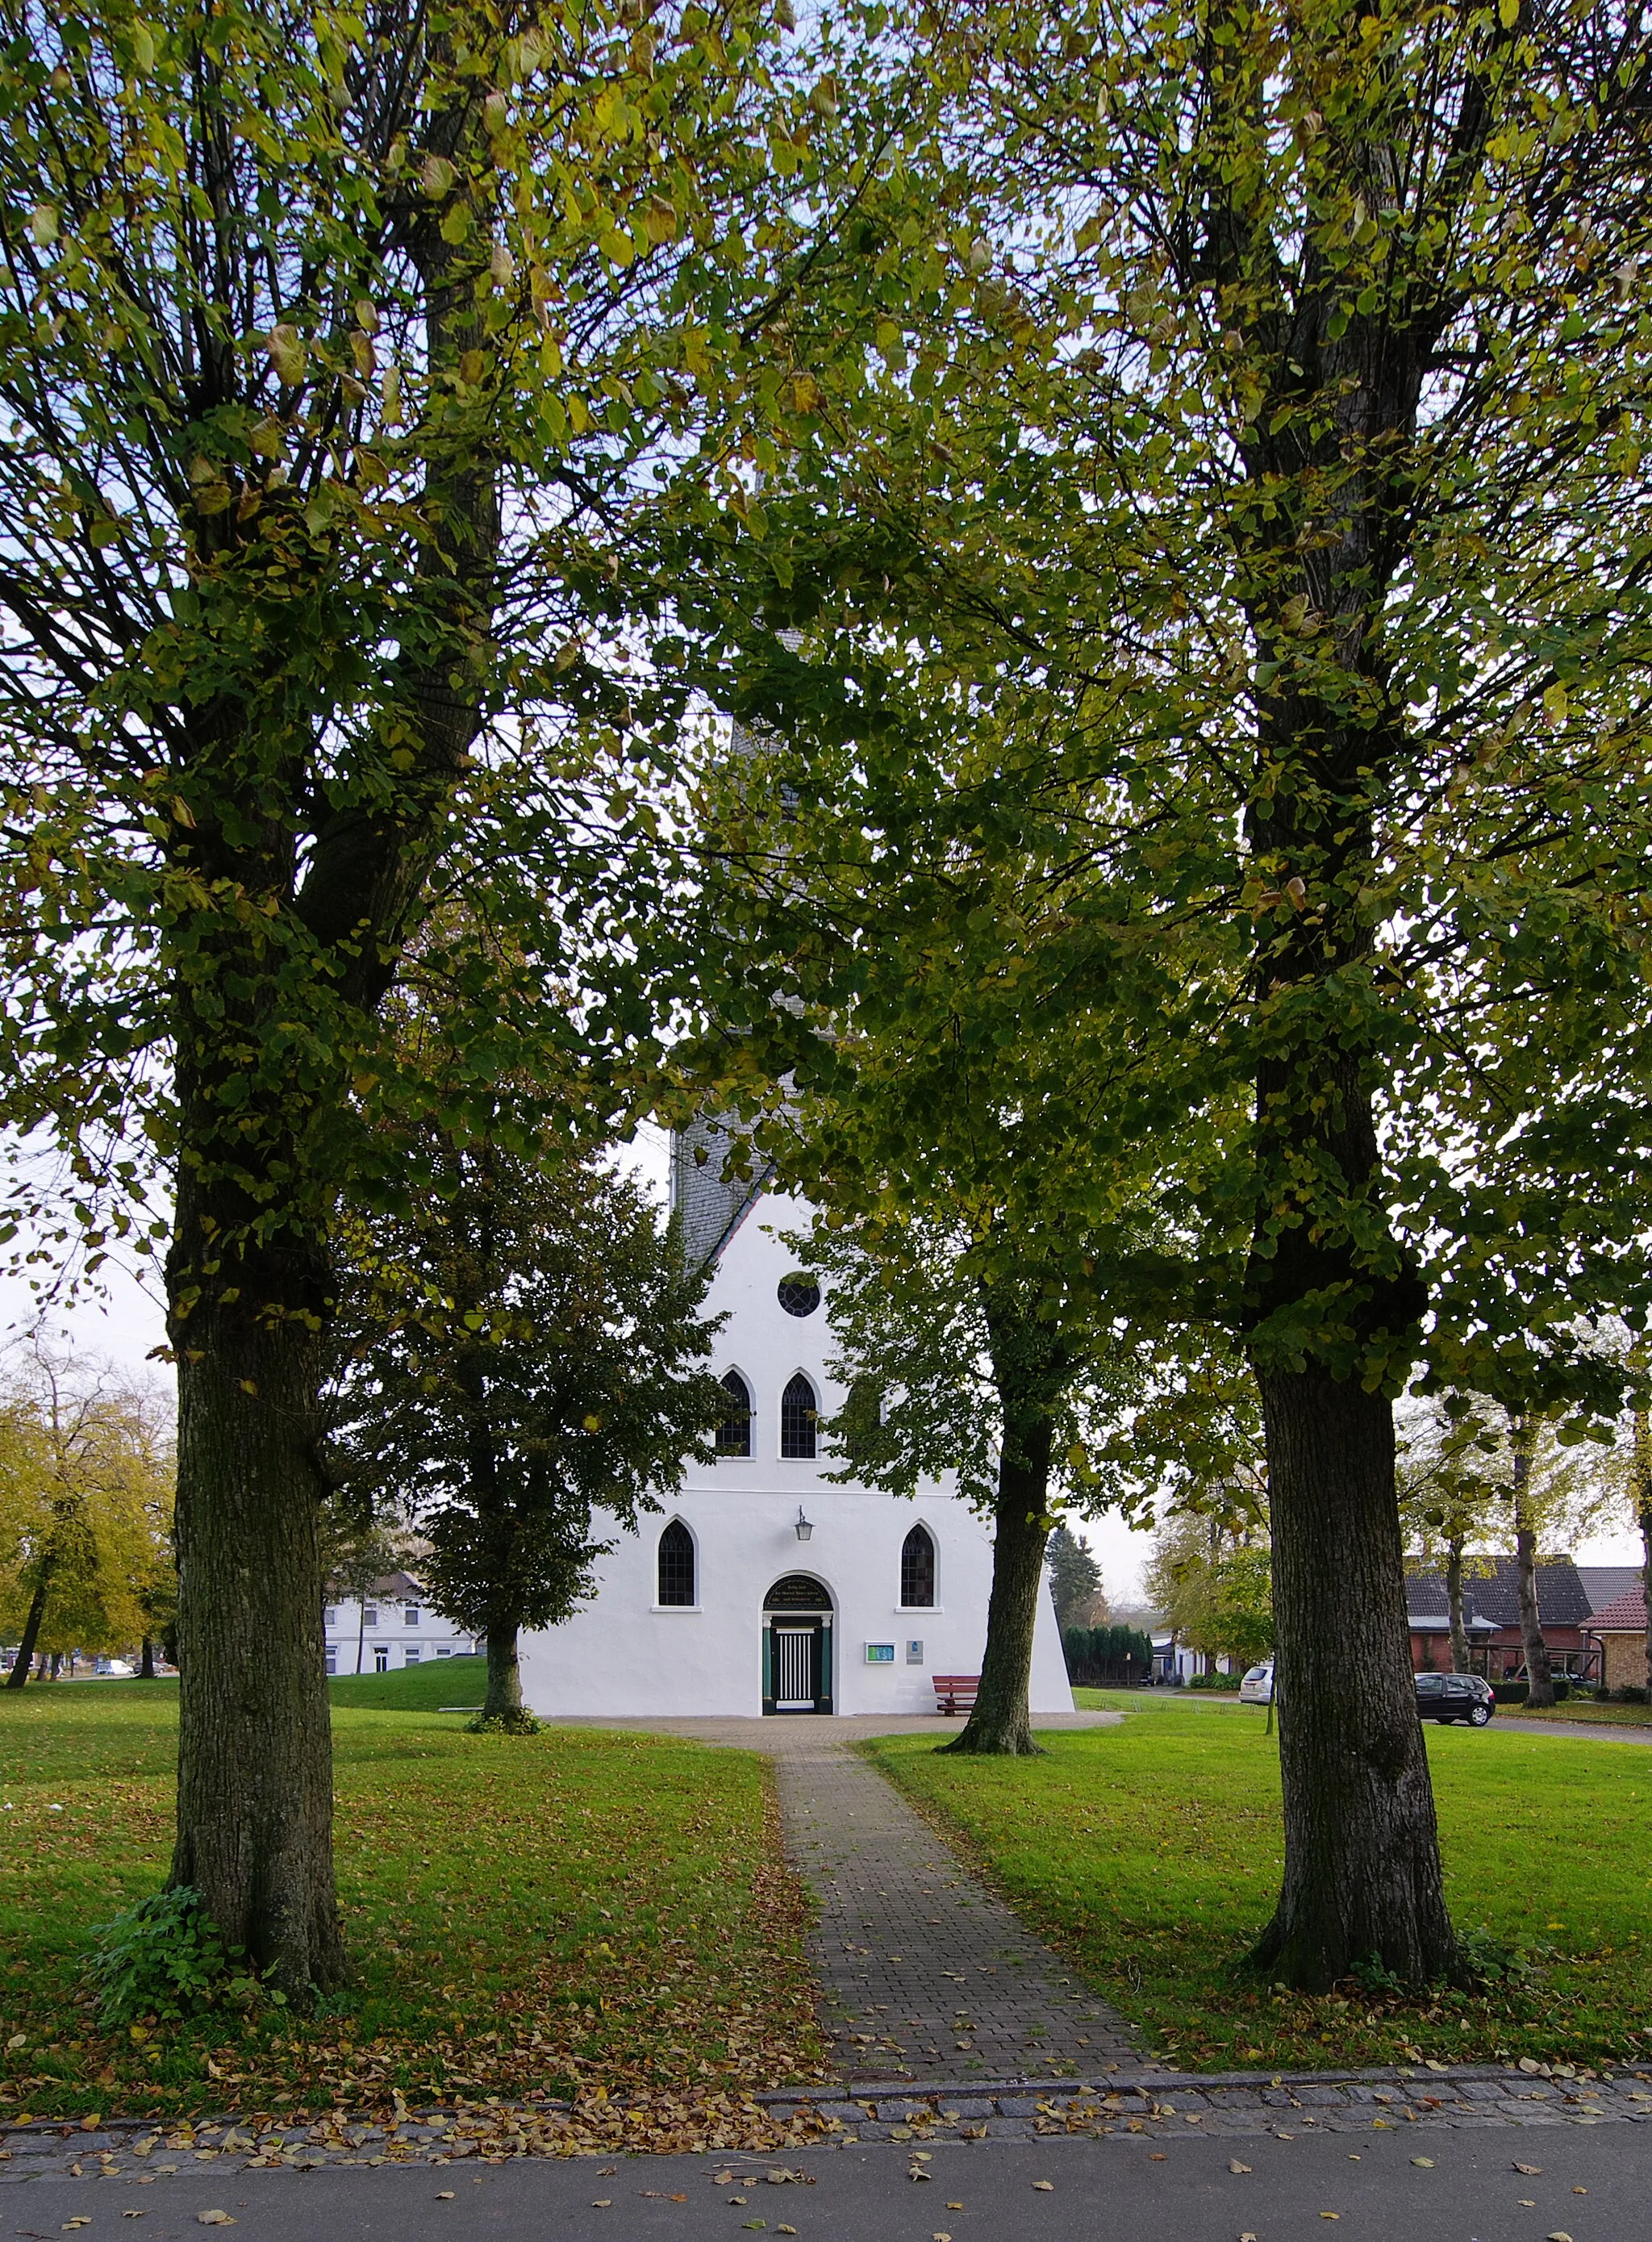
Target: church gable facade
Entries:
(762, 1587)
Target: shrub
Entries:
(521, 1722)
(1511, 1693)
(1631, 1694)
(1215, 1681)
(166, 1957)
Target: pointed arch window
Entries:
(918, 1570)
(676, 1564)
(734, 1434)
(798, 1414)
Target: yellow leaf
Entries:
(286, 354)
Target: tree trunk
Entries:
(1641, 1467)
(255, 1747)
(504, 1698)
(1362, 1876)
(56, 1664)
(1454, 1603)
(1002, 1719)
(19, 1674)
(1539, 1685)
(146, 1661)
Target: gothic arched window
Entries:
(734, 1434)
(798, 1410)
(676, 1564)
(918, 1570)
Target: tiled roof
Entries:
(1491, 1586)
(1625, 1615)
(1604, 1584)
(392, 1587)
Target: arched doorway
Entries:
(797, 1646)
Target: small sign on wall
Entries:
(914, 1652)
(880, 1653)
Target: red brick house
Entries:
(1620, 1627)
(1491, 1620)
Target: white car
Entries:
(1256, 1688)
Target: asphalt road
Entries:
(1595, 2185)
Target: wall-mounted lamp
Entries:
(805, 1527)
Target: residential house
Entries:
(1619, 1628)
(1491, 1620)
(391, 1626)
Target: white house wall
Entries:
(426, 1638)
(624, 1654)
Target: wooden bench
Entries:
(955, 1692)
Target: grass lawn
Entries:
(1585, 1710)
(1149, 1855)
(555, 1913)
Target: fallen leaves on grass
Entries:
(488, 1969)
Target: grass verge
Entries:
(1584, 1711)
(1149, 1855)
(569, 1913)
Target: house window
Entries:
(381, 1658)
(410, 1654)
(410, 1615)
(370, 1616)
(734, 1434)
(332, 1658)
(676, 1564)
(798, 1294)
(442, 1650)
(330, 1616)
(797, 1415)
(918, 1570)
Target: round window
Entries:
(799, 1295)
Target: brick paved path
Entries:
(925, 1976)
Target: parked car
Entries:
(1256, 1688)
(1454, 1697)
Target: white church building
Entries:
(764, 1588)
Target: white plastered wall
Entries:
(623, 1654)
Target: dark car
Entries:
(1454, 1697)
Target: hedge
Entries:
(1097, 1654)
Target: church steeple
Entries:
(710, 1201)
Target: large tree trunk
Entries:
(1002, 1719)
(1454, 1605)
(1362, 1876)
(1539, 1683)
(146, 1661)
(504, 1699)
(255, 1747)
(20, 1665)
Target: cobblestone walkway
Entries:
(925, 1976)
